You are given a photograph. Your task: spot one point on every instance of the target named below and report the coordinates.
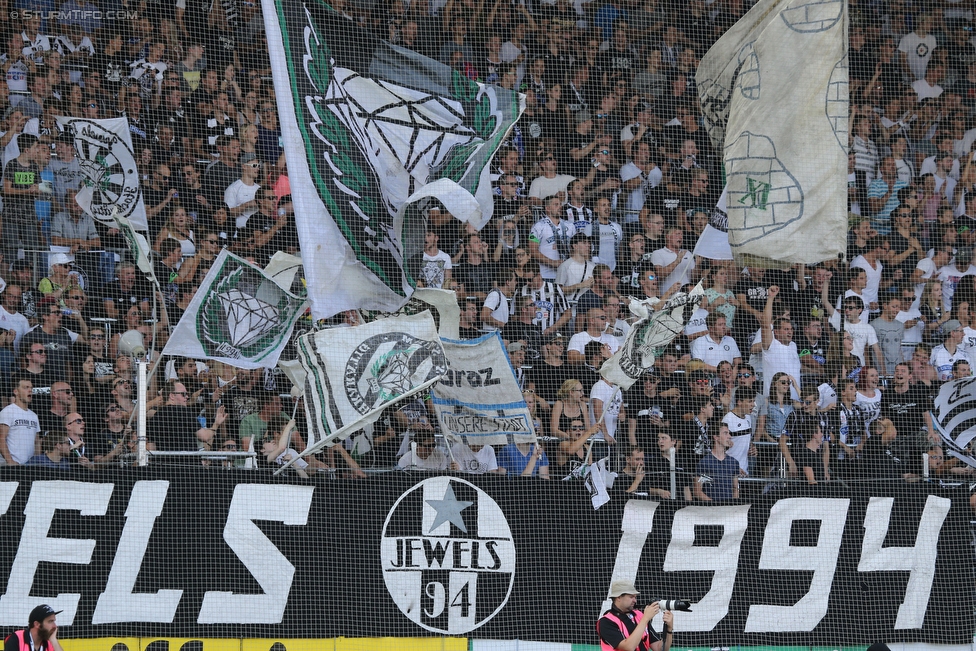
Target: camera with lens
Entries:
(675, 604)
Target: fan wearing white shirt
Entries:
(740, 423)
(870, 262)
(716, 346)
(928, 268)
(495, 311)
(672, 262)
(864, 335)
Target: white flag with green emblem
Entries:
(774, 97)
(374, 134)
(111, 184)
(353, 374)
(239, 315)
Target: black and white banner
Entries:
(234, 553)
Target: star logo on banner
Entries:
(449, 510)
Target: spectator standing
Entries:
(915, 48)
(437, 266)
(596, 326)
(19, 426)
(575, 274)
(599, 292)
(240, 197)
(741, 425)
(10, 316)
(717, 477)
(779, 350)
(56, 340)
(521, 459)
(55, 451)
(950, 351)
(864, 335)
(548, 184)
(606, 234)
(73, 230)
(495, 311)
(21, 186)
(890, 332)
(870, 262)
(549, 239)
(716, 346)
(269, 145)
(223, 172)
(175, 427)
(672, 262)
(883, 196)
(476, 271)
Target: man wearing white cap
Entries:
(626, 629)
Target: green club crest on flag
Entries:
(366, 125)
(239, 315)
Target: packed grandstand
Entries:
(243, 196)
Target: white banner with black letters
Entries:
(479, 400)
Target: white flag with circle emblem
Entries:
(239, 316)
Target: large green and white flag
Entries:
(367, 125)
(239, 315)
(774, 95)
(354, 373)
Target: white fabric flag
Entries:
(653, 330)
(599, 478)
(774, 95)
(282, 268)
(479, 400)
(441, 303)
(239, 316)
(111, 177)
(713, 243)
(954, 417)
(368, 128)
(354, 373)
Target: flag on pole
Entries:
(354, 373)
(239, 316)
(713, 243)
(366, 125)
(954, 417)
(774, 94)
(479, 400)
(138, 247)
(111, 177)
(441, 303)
(655, 328)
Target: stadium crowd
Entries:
(602, 191)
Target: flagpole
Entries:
(143, 459)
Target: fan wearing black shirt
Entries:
(520, 326)
(469, 326)
(112, 64)
(652, 414)
(21, 187)
(908, 406)
(475, 271)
